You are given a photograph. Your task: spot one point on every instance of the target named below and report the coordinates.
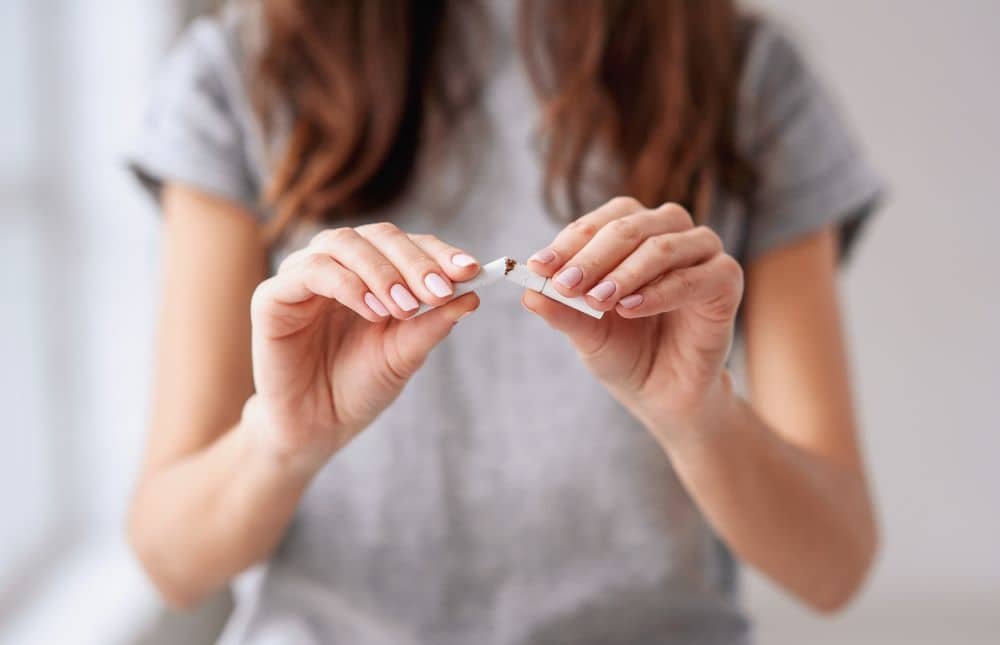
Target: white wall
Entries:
(920, 80)
(78, 287)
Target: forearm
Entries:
(198, 521)
(802, 519)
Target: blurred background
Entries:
(79, 283)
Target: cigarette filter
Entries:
(519, 274)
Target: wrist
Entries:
(264, 446)
(699, 423)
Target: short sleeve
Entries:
(192, 132)
(811, 172)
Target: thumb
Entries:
(586, 333)
(414, 339)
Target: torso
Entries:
(505, 497)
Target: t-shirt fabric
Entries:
(505, 498)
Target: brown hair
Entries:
(651, 82)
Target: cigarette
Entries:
(489, 273)
(520, 275)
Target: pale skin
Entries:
(236, 435)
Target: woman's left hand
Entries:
(671, 294)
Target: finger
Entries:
(456, 263)
(424, 276)
(656, 256)
(414, 339)
(294, 259)
(578, 232)
(276, 305)
(357, 254)
(613, 243)
(578, 327)
(715, 286)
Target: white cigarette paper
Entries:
(509, 269)
(488, 274)
(520, 275)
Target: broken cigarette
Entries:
(509, 269)
(488, 274)
(520, 275)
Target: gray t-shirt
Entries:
(505, 497)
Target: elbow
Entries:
(161, 566)
(847, 581)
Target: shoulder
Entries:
(776, 78)
(811, 170)
(200, 127)
(217, 51)
(771, 54)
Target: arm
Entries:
(259, 384)
(785, 489)
(194, 518)
(783, 482)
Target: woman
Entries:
(543, 476)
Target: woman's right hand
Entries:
(332, 346)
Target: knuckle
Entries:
(354, 290)
(677, 214)
(728, 292)
(711, 238)
(625, 229)
(624, 203)
(332, 237)
(336, 284)
(384, 272)
(422, 265)
(289, 262)
(664, 246)
(344, 283)
(384, 229)
(628, 276)
(261, 296)
(315, 262)
(732, 273)
(582, 227)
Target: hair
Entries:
(652, 84)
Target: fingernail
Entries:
(570, 277)
(631, 302)
(437, 285)
(463, 260)
(603, 291)
(463, 317)
(544, 256)
(403, 297)
(375, 304)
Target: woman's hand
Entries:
(674, 295)
(332, 346)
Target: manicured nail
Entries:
(570, 277)
(463, 260)
(631, 302)
(375, 304)
(403, 297)
(544, 256)
(603, 291)
(437, 285)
